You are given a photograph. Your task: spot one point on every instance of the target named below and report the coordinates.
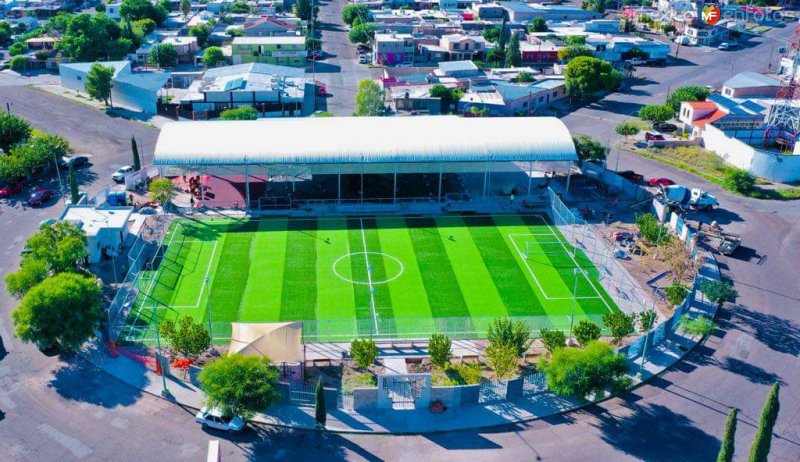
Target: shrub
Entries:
(718, 292)
(699, 326)
(239, 113)
(364, 352)
(514, 334)
(620, 324)
(186, 336)
(17, 63)
(502, 359)
(646, 320)
(656, 113)
(553, 339)
(586, 331)
(739, 181)
(676, 293)
(578, 372)
(439, 349)
(653, 232)
(242, 385)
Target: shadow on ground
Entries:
(77, 380)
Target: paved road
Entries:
(55, 410)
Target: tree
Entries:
(567, 54)
(676, 293)
(134, 10)
(162, 190)
(586, 331)
(675, 254)
(364, 352)
(699, 326)
(739, 181)
(589, 149)
(553, 339)
(668, 28)
(646, 320)
(515, 334)
(18, 63)
(656, 113)
(513, 54)
(17, 49)
(524, 77)
(728, 438)
(61, 246)
(718, 292)
(686, 93)
(74, 194)
(495, 57)
(313, 44)
(619, 323)
(448, 96)
(769, 415)
(28, 276)
(369, 99)
(137, 163)
(304, 9)
(580, 371)
(186, 7)
(585, 75)
(627, 128)
(88, 38)
(62, 311)
(538, 25)
(635, 53)
(240, 8)
(13, 130)
(503, 36)
(239, 113)
(362, 33)
(186, 336)
(163, 55)
(502, 359)
(241, 385)
(491, 34)
(653, 232)
(202, 32)
(100, 7)
(5, 32)
(355, 11)
(146, 26)
(439, 349)
(575, 40)
(98, 83)
(213, 56)
(320, 411)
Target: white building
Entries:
(106, 228)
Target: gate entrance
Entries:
(404, 391)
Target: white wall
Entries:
(765, 164)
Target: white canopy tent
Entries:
(281, 342)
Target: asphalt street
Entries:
(56, 409)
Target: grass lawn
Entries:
(352, 277)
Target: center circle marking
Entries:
(374, 281)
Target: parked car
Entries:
(315, 55)
(121, 173)
(39, 197)
(74, 161)
(636, 61)
(11, 189)
(660, 182)
(632, 176)
(363, 59)
(726, 46)
(362, 48)
(650, 136)
(214, 418)
(665, 127)
(658, 62)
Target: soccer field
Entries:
(390, 277)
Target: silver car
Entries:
(215, 419)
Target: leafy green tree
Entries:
(362, 33)
(491, 34)
(620, 324)
(575, 40)
(646, 320)
(100, 7)
(495, 56)
(202, 32)
(699, 326)
(238, 32)
(355, 11)
(444, 93)
(728, 438)
(739, 181)
(88, 38)
(369, 99)
(74, 193)
(162, 190)
(515, 334)
(567, 54)
(589, 149)
(240, 8)
(513, 54)
(98, 83)
(18, 63)
(163, 55)
(133, 10)
(304, 9)
(584, 76)
(187, 337)
(186, 7)
(439, 349)
(5, 32)
(580, 371)
(553, 339)
(242, 385)
(502, 359)
(29, 275)
(502, 38)
(320, 410)
(364, 352)
(239, 113)
(61, 246)
(213, 56)
(627, 128)
(676, 293)
(17, 49)
(586, 331)
(686, 93)
(718, 292)
(137, 163)
(62, 311)
(313, 44)
(656, 113)
(13, 130)
(759, 452)
(653, 232)
(524, 77)
(538, 25)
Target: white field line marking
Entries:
(203, 287)
(369, 276)
(582, 270)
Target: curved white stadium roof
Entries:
(342, 140)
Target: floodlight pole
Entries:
(164, 390)
(208, 309)
(575, 272)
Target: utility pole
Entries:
(208, 310)
(164, 390)
(575, 272)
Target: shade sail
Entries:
(281, 342)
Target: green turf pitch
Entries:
(365, 276)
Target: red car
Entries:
(660, 182)
(650, 136)
(11, 189)
(40, 197)
(630, 175)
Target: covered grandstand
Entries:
(274, 163)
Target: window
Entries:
(456, 46)
(80, 78)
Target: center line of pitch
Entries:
(369, 276)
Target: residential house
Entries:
(525, 12)
(725, 113)
(185, 46)
(390, 49)
(283, 51)
(488, 11)
(138, 91)
(501, 98)
(460, 47)
(539, 53)
(270, 27)
(112, 10)
(749, 85)
(415, 99)
(458, 70)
